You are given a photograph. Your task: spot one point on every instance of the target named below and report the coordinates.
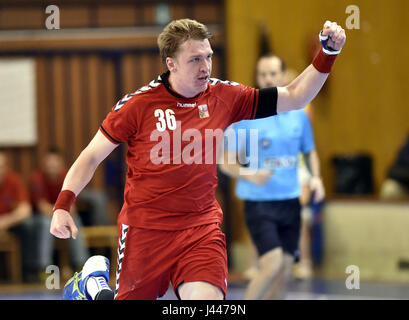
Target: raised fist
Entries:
(336, 36)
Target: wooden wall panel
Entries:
(102, 14)
(75, 17)
(148, 15)
(216, 68)
(78, 110)
(208, 13)
(178, 11)
(155, 65)
(116, 16)
(32, 17)
(42, 106)
(145, 74)
(74, 94)
(95, 103)
(128, 73)
(58, 104)
(108, 86)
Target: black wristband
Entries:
(267, 103)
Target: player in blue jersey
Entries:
(267, 168)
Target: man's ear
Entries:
(171, 64)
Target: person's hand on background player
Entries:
(259, 177)
(317, 188)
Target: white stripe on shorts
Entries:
(121, 252)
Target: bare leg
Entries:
(303, 269)
(279, 288)
(252, 271)
(199, 290)
(271, 265)
(305, 242)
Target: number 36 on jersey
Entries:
(166, 119)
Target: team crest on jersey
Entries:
(203, 111)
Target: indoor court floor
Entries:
(317, 289)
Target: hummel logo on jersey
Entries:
(186, 105)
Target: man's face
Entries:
(269, 73)
(192, 66)
(53, 165)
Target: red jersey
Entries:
(12, 192)
(43, 188)
(172, 145)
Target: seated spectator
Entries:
(92, 206)
(396, 185)
(45, 185)
(15, 215)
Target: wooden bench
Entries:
(10, 245)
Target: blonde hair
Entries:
(176, 33)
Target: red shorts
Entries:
(148, 260)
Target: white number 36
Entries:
(170, 120)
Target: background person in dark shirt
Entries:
(45, 185)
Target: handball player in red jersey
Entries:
(169, 226)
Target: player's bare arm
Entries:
(316, 185)
(306, 86)
(312, 162)
(237, 171)
(19, 214)
(79, 175)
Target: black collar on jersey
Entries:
(165, 81)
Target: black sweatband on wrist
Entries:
(267, 103)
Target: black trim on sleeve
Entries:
(267, 103)
(254, 104)
(109, 135)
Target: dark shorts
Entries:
(274, 224)
(150, 260)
